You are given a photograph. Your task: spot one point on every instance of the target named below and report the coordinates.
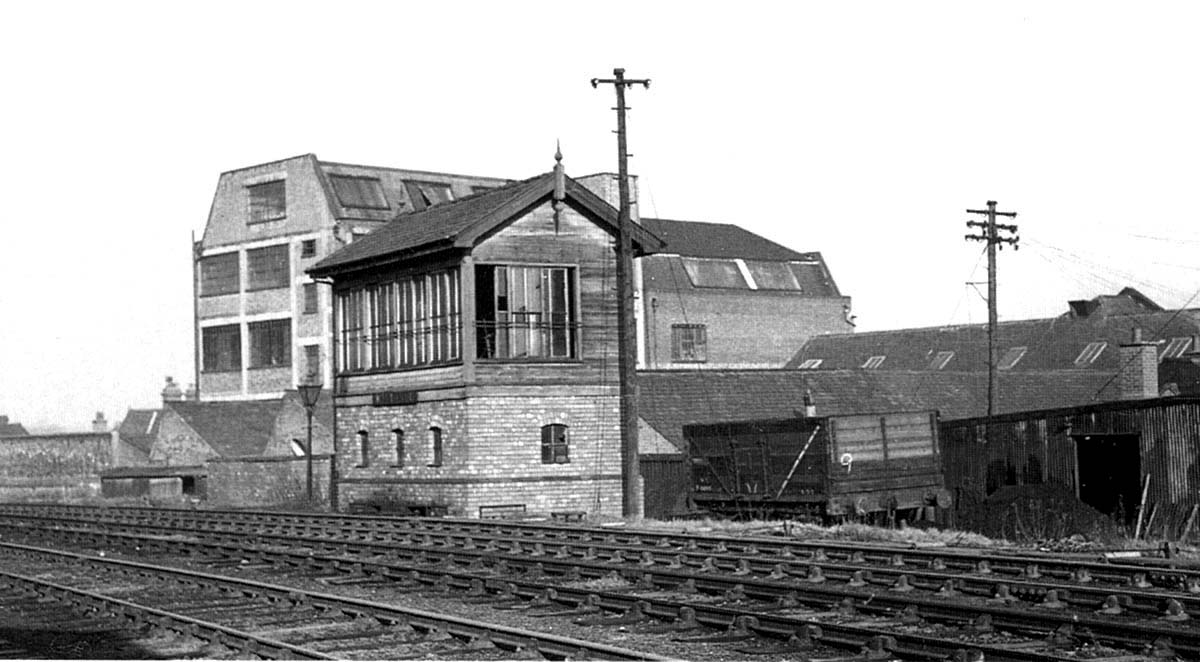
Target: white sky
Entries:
(861, 130)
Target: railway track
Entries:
(249, 618)
(894, 615)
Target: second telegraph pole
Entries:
(991, 234)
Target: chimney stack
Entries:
(1139, 368)
(810, 407)
(99, 424)
(171, 392)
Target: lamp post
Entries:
(310, 390)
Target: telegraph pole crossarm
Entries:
(626, 334)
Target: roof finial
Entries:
(560, 184)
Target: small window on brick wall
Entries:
(398, 441)
(308, 248)
(689, 343)
(435, 445)
(310, 298)
(364, 449)
(554, 444)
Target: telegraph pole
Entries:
(991, 234)
(626, 346)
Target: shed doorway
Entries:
(1110, 473)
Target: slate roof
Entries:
(1052, 344)
(140, 428)
(670, 399)
(460, 223)
(12, 429)
(719, 240)
(232, 429)
(154, 472)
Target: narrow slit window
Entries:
(398, 442)
(435, 447)
(364, 449)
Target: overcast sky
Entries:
(860, 130)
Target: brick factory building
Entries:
(261, 325)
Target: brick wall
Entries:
(266, 481)
(54, 467)
(491, 451)
(745, 329)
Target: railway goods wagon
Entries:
(819, 468)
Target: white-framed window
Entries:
(1091, 352)
(940, 360)
(1011, 357)
(403, 323)
(555, 444)
(1175, 348)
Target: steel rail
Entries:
(179, 623)
(979, 580)
(823, 596)
(550, 645)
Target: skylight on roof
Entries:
(772, 275)
(357, 192)
(940, 360)
(714, 273)
(435, 193)
(1175, 348)
(1011, 357)
(874, 362)
(810, 364)
(1091, 352)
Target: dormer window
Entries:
(940, 360)
(357, 192)
(268, 201)
(1090, 353)
(874, 362)
(1175, 348)
(1011, 357)
(714, 273)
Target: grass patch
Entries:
(920, 537)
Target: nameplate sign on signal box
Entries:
(392, 398)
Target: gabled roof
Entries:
(232, 429)
(1051, 344)
(670, 399)
(8, 429)
(140, 428)
(719, 240)
(462, 223)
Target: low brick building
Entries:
(475, 353)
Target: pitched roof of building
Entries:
(459, 224)
(719, 240)
(232, 429)
(140, 428)
(12, 429)
(670, 399)
(1053, 343)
